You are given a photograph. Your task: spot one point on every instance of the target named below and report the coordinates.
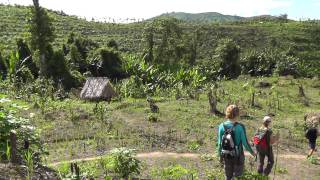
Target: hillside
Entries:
(208, 17)
(14, 21)
(301, 38)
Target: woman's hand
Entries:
(254, 154)
(275, 139)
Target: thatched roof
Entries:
(312, 119)
(98, 88)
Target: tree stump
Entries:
(153, 107)
(213, 104)
(253, 99)
(301, 91)
(13, 148)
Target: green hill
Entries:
(207, 17)
(301, 38)
(14, 21)
(214, 17)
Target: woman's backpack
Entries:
(260, 140)
(228, 142)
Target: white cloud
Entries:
(150, 8)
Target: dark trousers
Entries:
(262, 154)
(233, 167)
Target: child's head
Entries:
(267, 121)
(232, 112)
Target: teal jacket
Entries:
(240, 136)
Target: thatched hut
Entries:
(97, 89)
(312, 119)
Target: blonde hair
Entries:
(232, 112)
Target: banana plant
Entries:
(13, 60)
(16, 65)
(197, 78)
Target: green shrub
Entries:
(207, 157)
(247, 175)
(88, 170)
(281, 170)
(313, 160)
(25, 75)
(194, 145)
(122, 161)
(287, 65)
(152, 117)
(258, 63)
(215, 174)
(63, 168)
(174, 172)
(132, 87)
(77, 78)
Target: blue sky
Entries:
(122, 9)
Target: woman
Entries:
(264, 139)
(231, 139)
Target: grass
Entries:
(184, 126)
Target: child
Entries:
(263, 141)
(312, 135)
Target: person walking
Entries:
(231, 140)
(263, 140)
(312, 135)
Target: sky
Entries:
(143, 9)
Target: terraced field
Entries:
(302, 37)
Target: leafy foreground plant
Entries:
(174, 172)
(248, 175)
(152, 117)
(313, 160)
(28, 157)
(24, 131)
(122, 161)
(73, 171)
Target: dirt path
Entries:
(139, 155)
(173, 155)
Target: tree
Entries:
(41, 30)
(59, 71)
(3, 68)
(107, 62)
(283, 18)
(77, 49)
(112, 44)
(74, 58)
(228, 53)
(25, 53)
(193, 46)
(149, 31)
(168, 52)
(164, 42)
